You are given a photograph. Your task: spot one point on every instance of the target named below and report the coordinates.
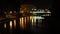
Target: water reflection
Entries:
(10, 25)
(25, 22)
(14, 23)
(32, 22)
(4, 25)
(22, 22)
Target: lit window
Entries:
(21, 11)
(34, 9)
(14, 11)
(4, 25)
(38, 17)
(10, 11)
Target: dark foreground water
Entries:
(23, 26)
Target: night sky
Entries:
(15, 4)
(39, 3)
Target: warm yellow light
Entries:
(31, 17)
(10, 25)
(25, 20)
(22, 23)
(5, 25)
(21, 11)
(14, 11)
(14, 23)
(10, 11)
(32, 22)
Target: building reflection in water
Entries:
(29, 20)
(14, 23)
(4, 25)
(23, 21)
(32, 21)
(10, 25)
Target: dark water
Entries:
(15, 26)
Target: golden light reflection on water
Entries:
(25, 20)
(14, 23)
(32, 22)
(10, 25)
(5, 25)
(22, 23)
(31, 17)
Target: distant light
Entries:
(38, 17)
(34, 9)
(14, 23)
(46, 15)
(5, 25)
(48, 11)
(40, 12)
(31, 17)
(14, 11)
(10, 11)
(21, 11)
(32, 22)
(22, 23)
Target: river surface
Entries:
(22, 25)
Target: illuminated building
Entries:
(28, 15)
(37, 14)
